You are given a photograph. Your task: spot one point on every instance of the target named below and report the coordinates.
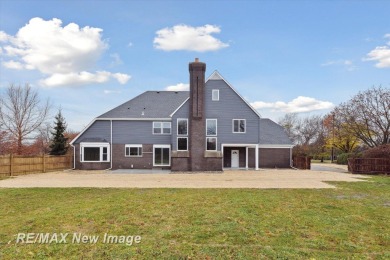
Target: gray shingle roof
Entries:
(150, 104)
(272, 133)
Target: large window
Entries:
(239, 125)
(182, 143)
(211, 127)
(161, 127)
(133, 150)
(211, 143)
(94, 152)
(215, 94)
(161, 155)
(182, 126)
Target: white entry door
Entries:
(235, 158)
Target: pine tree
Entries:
(58, 144)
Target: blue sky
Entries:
(282, 56)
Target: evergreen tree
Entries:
(58, 144)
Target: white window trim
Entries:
(100, 145)
(177, 143)
(162, 128)
(216, 126)
(238, 127)
(216, 143)
(212, 95)
(132, 146)
(162, 146)
(177, 126)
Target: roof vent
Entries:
(176, 92)
(158, 92)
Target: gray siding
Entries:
(137, 132)
(183, 112)
(230, 106)
(98, 130)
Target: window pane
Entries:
(157, 127)
(211, 127)
(165, 158)
(134, 151)
(182, 128)
(127, 152)
(211, 144)
(91, 154)
(104, 157)
(157, 156)
(215, 95)
(182, 144)
(235, 126)
(166, 127)
(242, 126)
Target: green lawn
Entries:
(352, 221)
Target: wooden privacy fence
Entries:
(369, 165)
(13, 165)
(302, 162)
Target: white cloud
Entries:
(80, 78)
(348, 64)
(184, 37)
(12, 65)
(106, 91)
(178, 87)
(64, 53)
(297, 105)
(381, 54)
(121, 78)
(116, 59)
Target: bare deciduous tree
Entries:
(367, 114)
(22, 112)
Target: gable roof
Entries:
(217, 76)
(272, 133)
(148, 105)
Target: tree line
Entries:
(361, 123)
(25, 128)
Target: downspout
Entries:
(74, 156)
(110, 147)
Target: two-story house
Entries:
(209, 128)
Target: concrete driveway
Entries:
(263, 179)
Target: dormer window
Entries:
(215, 95)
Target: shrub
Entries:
(382, 151)
(343, 158)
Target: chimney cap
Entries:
(196, 59)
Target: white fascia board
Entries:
(179, 107)
(217, 76)
(134, 119)
(276, 146)
(82, 132)
(239, 145)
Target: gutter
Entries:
(110, 148)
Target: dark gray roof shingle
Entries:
(272, 133)
(150, 104)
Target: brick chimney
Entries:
(197, 122)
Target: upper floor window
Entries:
(215, 94)
(211, 127)
(239, 125)
(133, 150)
(161, 127)
(182, 126)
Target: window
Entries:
(182, 143)
(161, 155)
(211, 143)
(161, 127)
(211, 126)
(133, 150)
(239, 125)
(215, 94)
(94, 152)
(182, 126)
